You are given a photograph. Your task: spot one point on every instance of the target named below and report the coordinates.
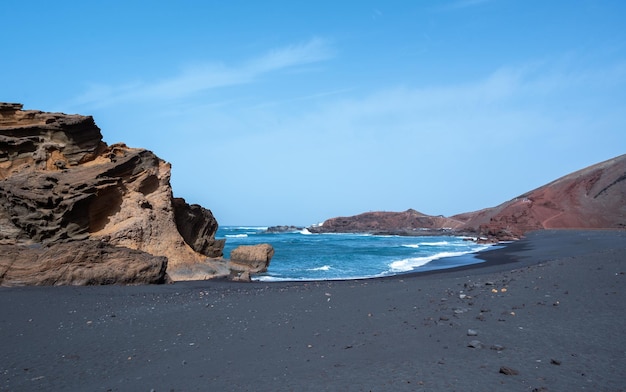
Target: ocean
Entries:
(302, 256)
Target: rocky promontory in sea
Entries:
(591, 198)
(74, 210)
(283, 229)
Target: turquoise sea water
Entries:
(300, 255)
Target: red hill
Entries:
(591, 198)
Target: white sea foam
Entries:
(236, 235)
(438, 243)
(410, 264)
(393, 256)
(350, 234)
(268, 278)
(322, 268)
(305, 231)
(481, 248)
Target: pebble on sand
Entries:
(508, 371)
(475, 344)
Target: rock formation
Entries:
(249, 259)
(284, 229)
(591, 198)
(402, 223)
(71, 202)
(90, 263)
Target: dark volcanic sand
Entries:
(550, 307)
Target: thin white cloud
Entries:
(312, 51)
(461, 4)
(207, 76)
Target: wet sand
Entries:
(543, 314)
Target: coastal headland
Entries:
(590, 198)
(76, 211)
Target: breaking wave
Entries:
(322, 268)
(409, 264)
(302, 256)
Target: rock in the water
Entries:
(409, 222)
(251, 258)
(60, 183)
(283, 229)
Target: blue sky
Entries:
(279, 112)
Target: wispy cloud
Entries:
(304, 53)
(460, 4)
(206, 76)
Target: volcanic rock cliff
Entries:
(591, 198)
(409, 222)
(74, 210)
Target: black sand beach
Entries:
(543, 314)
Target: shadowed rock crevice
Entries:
(197, 226)
(106, 203)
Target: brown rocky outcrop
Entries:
(197, 226)
(86, 263)
(408, 222)
(591, 198)
(250, 259)
(62, 189)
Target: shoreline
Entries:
(549, 307)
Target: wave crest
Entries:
(410, 264)
(322, 268)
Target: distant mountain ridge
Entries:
(591, 198)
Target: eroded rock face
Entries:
(79, 263)
(60, 184)
(198, 226)
(45, 140)
(251, 258)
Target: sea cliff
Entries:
(74, 210)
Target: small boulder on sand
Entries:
(251, 258)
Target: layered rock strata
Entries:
(66, 194)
